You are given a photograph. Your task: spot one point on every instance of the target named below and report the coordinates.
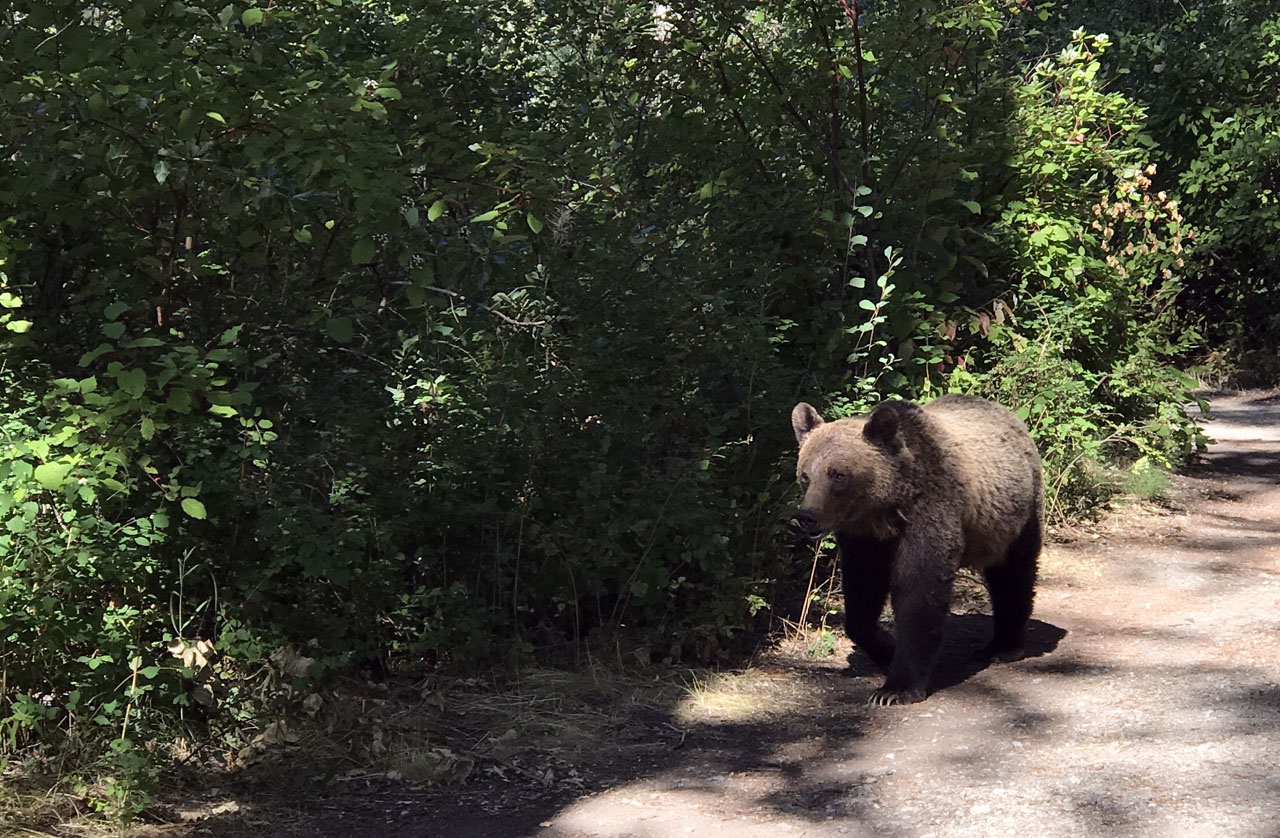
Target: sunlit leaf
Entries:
(52, 475)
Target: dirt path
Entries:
(1152, 708)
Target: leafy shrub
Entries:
(353, 336)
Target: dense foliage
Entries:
(339, 331)
(1210, 72)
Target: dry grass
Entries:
(449, 729)
(27, 811)
(752, 695)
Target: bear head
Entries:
(847, 468)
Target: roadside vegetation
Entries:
(347, 338)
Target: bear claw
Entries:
(887, 698)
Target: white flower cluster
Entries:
(662, 21)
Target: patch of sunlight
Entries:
(747, 696)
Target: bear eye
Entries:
(837, 476)
(804, 480)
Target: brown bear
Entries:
(912, 494)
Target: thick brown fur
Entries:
(912, 494)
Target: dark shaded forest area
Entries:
(348, 335)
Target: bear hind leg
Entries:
(1011, 585)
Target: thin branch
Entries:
(795, 114)
(852, 12)
(53, 36)
(727, 87)
(462, 298)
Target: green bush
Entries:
(341, 334)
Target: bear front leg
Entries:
(865, 570)
(921, 592)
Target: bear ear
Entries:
(882, 426)
(803, 421)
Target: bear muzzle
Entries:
(808, 520)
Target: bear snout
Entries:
(808, 520)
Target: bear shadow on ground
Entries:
(960, 658)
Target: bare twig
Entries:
(798, 118)
(852, 12)
(464, 299)
(683, 734)
(53, 36)
(808, 594)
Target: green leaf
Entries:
(867, 304)
(179, 401)
(486, 216)
(194, 508)
(93, 354)
(97, 661)
(436, 210)
(251, 17)
(19, 326)
(535, 224)
(8, 300)
(216, 117)
(113, 330)
(133, 382)
(387, 93)
(972, 206)
(341, 329)
(222, 410)
(379, 110)
(362, 252)
(148, 427)
(52, 475)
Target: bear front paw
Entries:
(885, 697)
